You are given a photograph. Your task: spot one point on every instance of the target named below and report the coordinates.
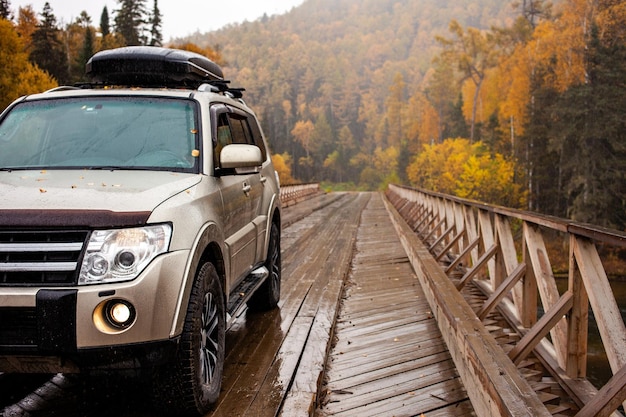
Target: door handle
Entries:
(263, 179)
(246, 188)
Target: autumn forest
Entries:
(516, 103)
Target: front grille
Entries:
(36, 258)
(18, 326)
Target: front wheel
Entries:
(191, 384)
(268, 294)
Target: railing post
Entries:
(576, 366)
(608, 317)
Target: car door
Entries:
(240, 194)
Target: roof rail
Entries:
(62, 88)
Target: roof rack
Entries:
(222, 87)
(150, 66)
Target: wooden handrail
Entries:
(291, 194)
(513, 289)
(493, 383)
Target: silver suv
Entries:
(139, 213)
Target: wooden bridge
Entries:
(405, 303)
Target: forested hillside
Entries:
(521, 106)
(321, 76)
(519, 103)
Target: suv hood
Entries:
(116, 191)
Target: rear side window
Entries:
(257, 136)
(235, 126)
(240, 129)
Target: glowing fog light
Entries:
(120, 314)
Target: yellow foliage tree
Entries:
(515, 84)
(18, 76)
(467, 170)
(472, 50)
(423, 122)
(303, 133)
(26, 25)
(282, 165)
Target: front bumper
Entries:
(60, 329)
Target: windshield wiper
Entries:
(107, 168)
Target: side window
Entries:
(224, 137)
(237, 127)
(240, 129)
(257, 136)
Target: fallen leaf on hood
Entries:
(41, 190)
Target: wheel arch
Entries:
(273, 218)
(206, 249)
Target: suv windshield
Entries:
(120, 132)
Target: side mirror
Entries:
(240, 156)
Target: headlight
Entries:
(121, 254)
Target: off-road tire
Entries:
(191, 383)
(268, 294)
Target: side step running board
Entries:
(242, 293)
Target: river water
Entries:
(598, 369)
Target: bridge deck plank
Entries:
(260, 370)
(389, 357)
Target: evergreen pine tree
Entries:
(156, 36)
(590, 128)
(48, 51)
(105, 27)
(5, 9)
(130, 21)
(88, 49)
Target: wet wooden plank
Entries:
(275, 358)
(389, 353)
(390, 387)
(322, 304)
(437, 397)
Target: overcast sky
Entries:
(180, 17)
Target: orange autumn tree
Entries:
(473, 52)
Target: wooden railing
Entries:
(291, 194)
(503, 252)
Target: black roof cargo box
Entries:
(150, 66)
